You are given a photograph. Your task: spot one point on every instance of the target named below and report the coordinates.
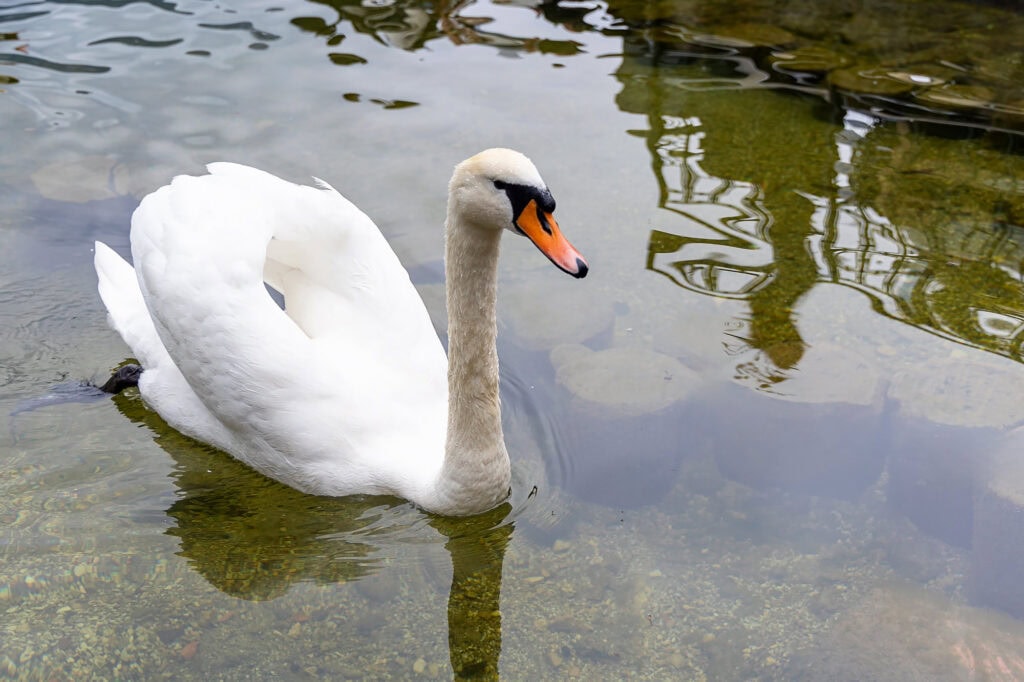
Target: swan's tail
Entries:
(127, 312)
(163, 386)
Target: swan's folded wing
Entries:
(203, 246)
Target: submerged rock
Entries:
(78, 180)
(810, 59)
(818, 432)
(540, 321)
(830, 449)
(932, 473)
(997, 562)
(621, 382)
(947, 419)
(754, 35)
(924, 75)
(958, 98)
(97, 177)
(862, 80)
(955, 391)
(627, 426)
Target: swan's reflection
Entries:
(254, 538)
(477, 547)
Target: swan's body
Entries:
(348, 390)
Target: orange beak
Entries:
(541, 228)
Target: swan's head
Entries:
(501, 189)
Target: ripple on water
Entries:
(54, 56)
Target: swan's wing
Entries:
(354, 356)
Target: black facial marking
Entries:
(521, 195)
(542, 218)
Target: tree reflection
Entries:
(411, 25)
(730, 236)
(765, 204)
(254, 538)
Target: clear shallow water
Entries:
(767, 433)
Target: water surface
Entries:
(769, 437)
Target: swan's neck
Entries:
(476, 474)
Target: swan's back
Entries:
(346, 391)
(240, 225)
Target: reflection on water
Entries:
(948, 64)
(730, 237)
(253, 538)
(474, 602)
(410, 26)
(961, 280)
(966, 286)
(761, 211)
(765, 442)
(250, 537)
(55, 52)
(722, 247)
(111, 41)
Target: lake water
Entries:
(771, 436)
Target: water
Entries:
(770, 435)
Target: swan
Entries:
(347, 390)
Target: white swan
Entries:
(348, 390)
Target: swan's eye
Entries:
(521, 195)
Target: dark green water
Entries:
(769, 437)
